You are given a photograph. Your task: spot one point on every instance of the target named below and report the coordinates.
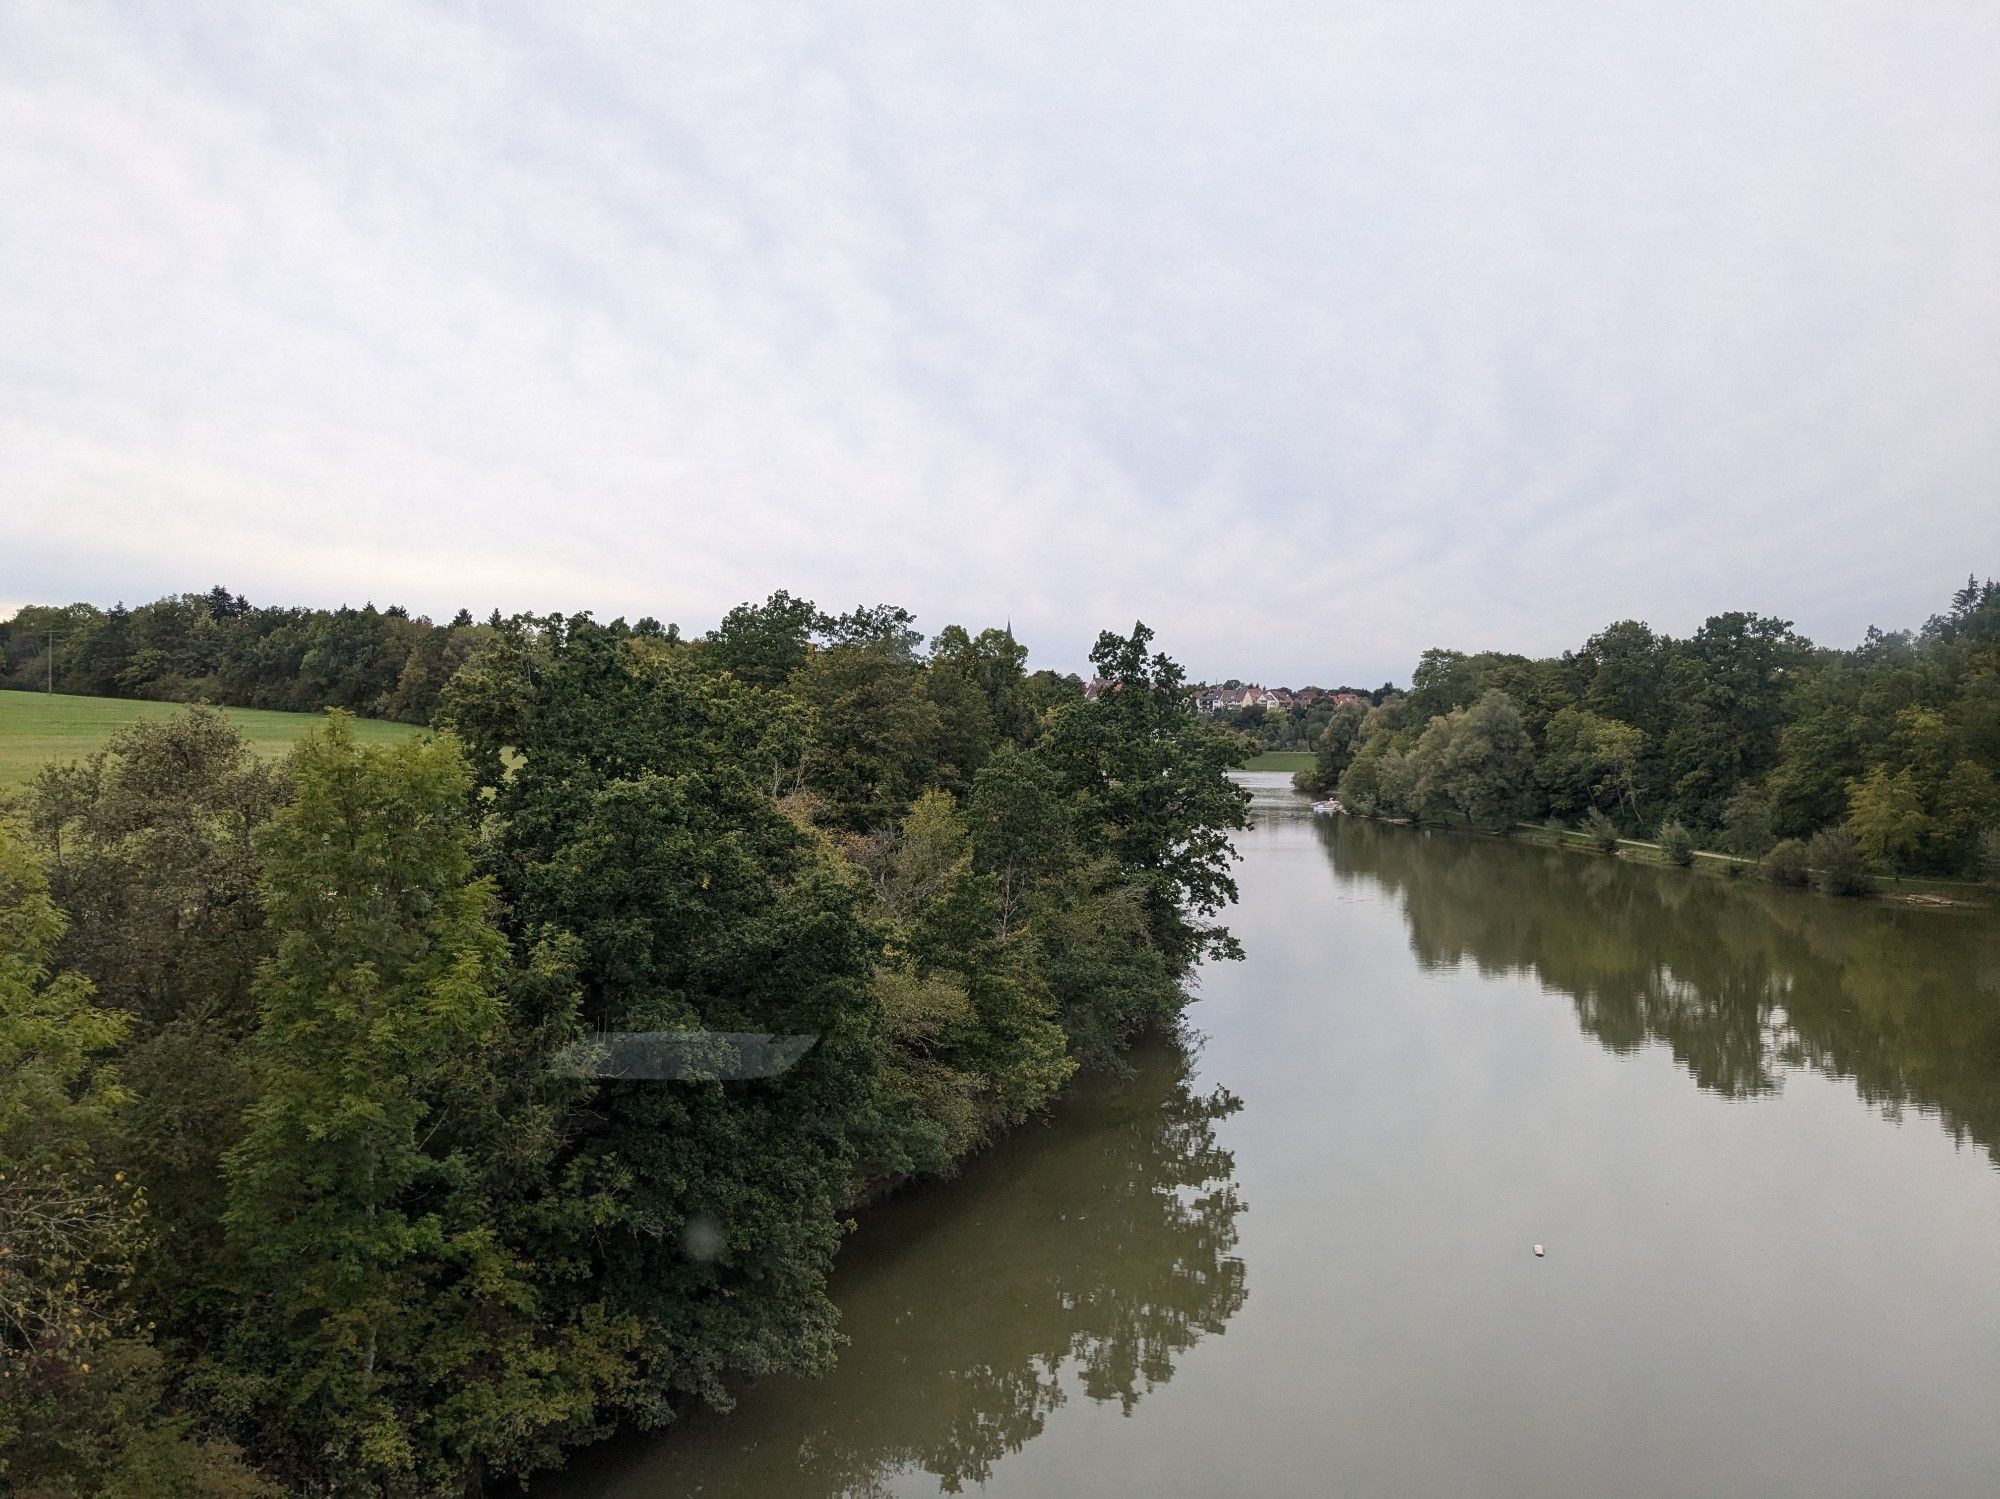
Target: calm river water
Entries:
(1755, 1131)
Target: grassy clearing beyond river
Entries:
(36, 728)
(1287, 760)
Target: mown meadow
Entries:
(37, 728)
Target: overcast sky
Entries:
(1311, 334)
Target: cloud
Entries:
(1313, 336)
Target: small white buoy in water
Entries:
(1538, 1251)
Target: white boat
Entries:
(1326, 808)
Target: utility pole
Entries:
(50, 658)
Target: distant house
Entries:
(1210, 699)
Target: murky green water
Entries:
(1755, 1130)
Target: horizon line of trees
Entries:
(1744, 737)
(298, 1190)
(216, 647)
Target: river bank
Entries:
(1913, 890)
(1297, 1257)
(1892, 888)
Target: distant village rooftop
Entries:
(1213, 700)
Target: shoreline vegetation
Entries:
(297, 1190)
(1743, 746)
(1912, 890)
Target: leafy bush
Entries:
(1746, 824)
(1787, 864)
(1677, 843)
(1989, 853)
(1836, 859)
(1602, 831)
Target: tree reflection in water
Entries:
(1740, 981)
(1081, 1257)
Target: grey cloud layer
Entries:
(1313, 335)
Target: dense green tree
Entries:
(965, 734)
(149, 849)
(636, 825)
(1045, 691)
(1677, 844)
(887, 625)
(1589, 761)
(877, 730)
(1788, 863)
(1445, 680)
(1423, 791)
(1106, 977)
(434, 658)
(1965, 806)
(1621, 675)
(1836, 860)
(994, 663)
(763, 644)
(1021, 829)
(150, 853)
(1746, 824)
(1361, 785)
(1729, 684)
(82, 1408)
(68, 1223)
(1335, 749)
(1472, 765)
(946, 922)
(1887, 817)
(1821, 750)
(1150, 786)
(1376, 779)
(386, 1338)
(1487, 768)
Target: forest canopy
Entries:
(1743, 734)
(298, 1188)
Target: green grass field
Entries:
(1282, 760)
(37, 727)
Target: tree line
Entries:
(1744, 737)
(216, 647)
(299, 1190)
